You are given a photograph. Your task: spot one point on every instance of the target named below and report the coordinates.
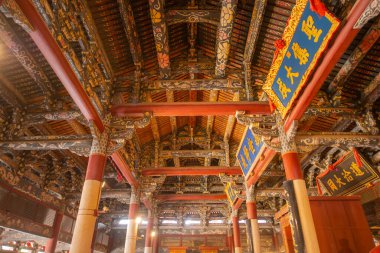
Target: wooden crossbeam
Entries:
(197, 84)
(184, 197)
(191, 108)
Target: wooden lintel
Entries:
(191, 108)
(196, 84)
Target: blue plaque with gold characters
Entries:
(249, 151)
(231, 195)
(350, 174)
(305, 38)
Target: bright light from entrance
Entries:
(26, 250)
(241, 221)
(144, 222)
(169, 222)
(192, 222)
(138, 220)
(261, 221)
(216, 222)
(123, 222)
(5, 247)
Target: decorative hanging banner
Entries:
(249, 151)
(231, 195)
(348, 175)
(305, 38)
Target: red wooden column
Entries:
(131, 237)
(230, 239)
(236, 229)
(148, 234)
(155, 237)
(52, 242)
(89, 203)
(302, 212)
(252, 217)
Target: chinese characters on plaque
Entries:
(249, 151)
(306, 37)
(347, 176)
(231, 195)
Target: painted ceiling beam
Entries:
(49, 48)
(192, 16)
(197, 84)
(369, 40)
(223, 36)
(192, 171)
(130, 29)
(161, 36)
(254, 30)
(185, 197)
(343, 40)
(250, 45)
(190, 108)
(192, 153)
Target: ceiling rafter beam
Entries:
(336, 86)
(130, 29)
(191, 108)
(224, 35)
(250, 45)
(192, 16)
(161, 36)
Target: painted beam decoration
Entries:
(305, 38)
(249, 152)
(231, 194)
(348, 175)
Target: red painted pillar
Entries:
(252, 218)
(52, 242)
(89, 203)
(148, 234)
(230, 238)
(131, 237)
(302, 216)
(155, 242)
(236, 229)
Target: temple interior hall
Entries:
(189, 126)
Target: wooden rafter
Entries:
(131, 31)
(250, 45)
(223, 36)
